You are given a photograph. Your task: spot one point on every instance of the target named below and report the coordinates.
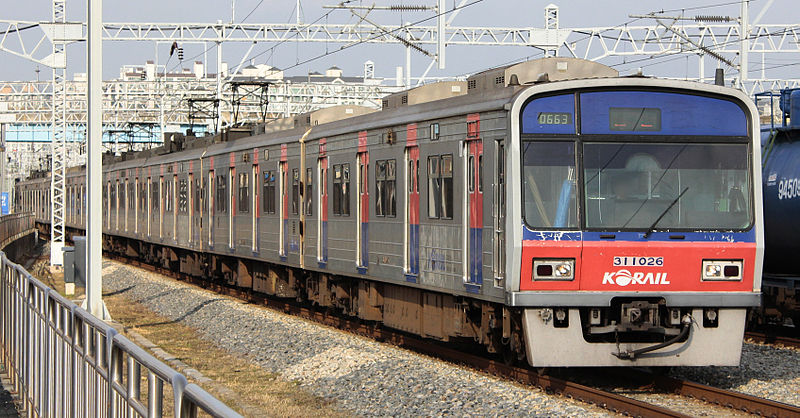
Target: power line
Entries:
(384, 33)
(251, 11)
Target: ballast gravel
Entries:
(766, 371)
(364, 377)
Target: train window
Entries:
(548, 177)
(155, 204)
(309, 192)
(143, 195)
(385, 183)
(440, 186)
(269, 192)
(121, 188)
(199, 196)
(447, 186)
(410, 176)
(480, 173)
(295, 190)
(341, 189)
(132, 196)
(434, 188)
(222, 194)
(434, 131)
(345, 189)
(337, 189)
(666, 186)
(182, 196)
(471, 173)
(168, 196)
(244, 193)
(416, 176)
(380, 180)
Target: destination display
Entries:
(554, 118)
(634, 119)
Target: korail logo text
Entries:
(624, 278)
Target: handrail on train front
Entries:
(62, 361)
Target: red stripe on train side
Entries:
(324, 214)
(362, 141)
(411, 135)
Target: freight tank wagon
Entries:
(781, 176)
(551, 211)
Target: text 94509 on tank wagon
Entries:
(550, 210)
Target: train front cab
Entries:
(636, 225)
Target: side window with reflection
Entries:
(244, 193)
(269, 192)
(385, 182)
(295, 191)
(341, 189)
(222, 195)
(440, 186)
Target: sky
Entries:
(302, 58)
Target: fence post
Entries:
(178, 385)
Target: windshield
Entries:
(548, 170)
(666, 186)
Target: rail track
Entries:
(550, 384)
(767, 338)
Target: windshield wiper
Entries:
(652, 227)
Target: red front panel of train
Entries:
(630, 266)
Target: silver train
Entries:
(551, 211)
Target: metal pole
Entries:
(441, 25)
(408, 59)
(745, 44)
(94, 173)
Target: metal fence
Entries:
(62, 361)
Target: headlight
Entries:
(551, 269)
(729, 270)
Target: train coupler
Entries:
(686, 323)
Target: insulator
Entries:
(180, 54)
(713, 18)
(408, 8)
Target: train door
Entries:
(255, 209)
(231, 205)
(411, 235)
(135, 209)
(473, 207)
(499, 206)
(284, 210)
(196, 211)
(190, 207)
(175, 197)
(362, 212)
(147, 205)
(128, 198)
(322, 209)
(200, 205)
(116, 205)
(160, 204)
(211, 195)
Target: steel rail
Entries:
(772, 339)
(727, 398)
